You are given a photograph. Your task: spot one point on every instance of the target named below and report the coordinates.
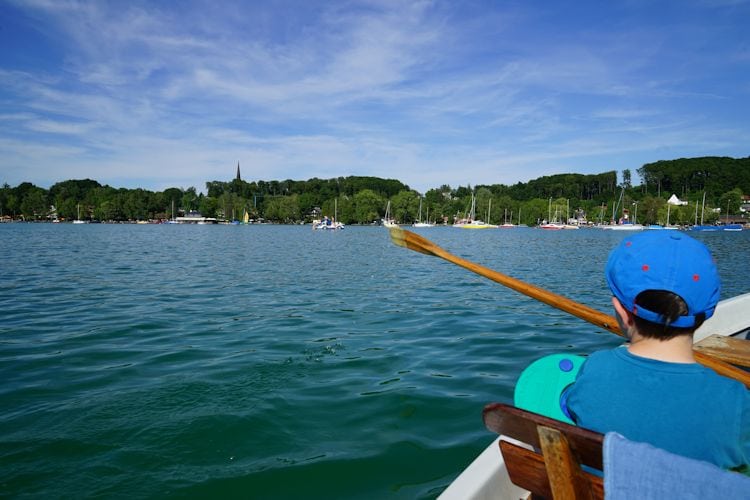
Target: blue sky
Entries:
(161, 94)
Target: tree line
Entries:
(363, 200)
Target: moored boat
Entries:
(624, 227)
(471, 222)
(388, 220)
(419, 222)
(327, 223)
(78, 219)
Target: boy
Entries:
(664, 285)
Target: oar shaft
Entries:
(417, 243)
(598, 318)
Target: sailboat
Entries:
(567, 224)
(172, 220)
(506, 224)
(78, 219)
(625, 225)
(549, 224)
(519, 219)
(388, 220)
(473, 223)
(701, 226)
(419, 222)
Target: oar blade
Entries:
(412, 241)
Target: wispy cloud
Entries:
(429, 92)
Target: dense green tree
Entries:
(284, 209)
(362, 199)
(534, 211)
(649, 208)
(686, 176)
(76, 189)
(5, 194)
(730, 202)
(404, 206)
(366, 206)
(626, 179)
(67, 208)
(308, 202)
(34, 205)
(189, 200)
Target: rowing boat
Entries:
(486, 478)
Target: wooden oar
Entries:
(413, 241)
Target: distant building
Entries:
(238, 171)
(674, 200)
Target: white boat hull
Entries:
(486, 478)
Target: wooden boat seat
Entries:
(554, 468)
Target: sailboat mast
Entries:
(696, 213)
(668, 214)
(549, 211)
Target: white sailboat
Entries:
(388, 220)
(568, 224)
(419, 222)
(625, 225)
(78, 219)
(549, 224)
(506, 224)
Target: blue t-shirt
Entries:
(684, 408)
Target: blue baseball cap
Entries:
(664, 260)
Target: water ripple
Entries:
(188, 361)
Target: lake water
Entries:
(275, 361)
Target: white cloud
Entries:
(426, 92)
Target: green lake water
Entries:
(275, 361)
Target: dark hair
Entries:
(670, 306)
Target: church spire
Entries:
(238, 171)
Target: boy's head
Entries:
(666, 279)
